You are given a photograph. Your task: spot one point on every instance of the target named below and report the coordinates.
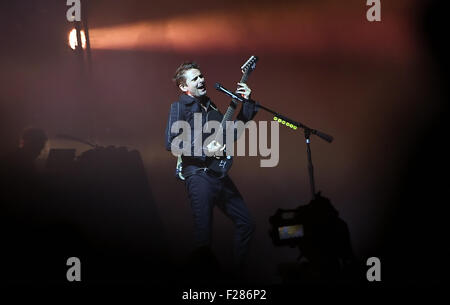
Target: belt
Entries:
(193, 171)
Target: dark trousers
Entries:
(205, 191)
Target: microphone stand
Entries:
(292, 124)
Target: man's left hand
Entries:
(244, 90)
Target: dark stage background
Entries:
(379, 88)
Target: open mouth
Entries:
(202, 87)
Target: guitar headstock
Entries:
(250, 64)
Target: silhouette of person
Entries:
(32, 143)
(21, 192)
(21, 183)
(18, 168)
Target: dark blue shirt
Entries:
(184, 110)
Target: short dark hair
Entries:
(179, 77)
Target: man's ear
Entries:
(183, 87)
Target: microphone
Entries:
(229, 93)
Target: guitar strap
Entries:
(176, 109)
(175, 114)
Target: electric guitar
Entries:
(220, 165)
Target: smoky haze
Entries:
(372, 86)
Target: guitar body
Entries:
(220, 165)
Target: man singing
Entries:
(205, 190)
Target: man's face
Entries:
(195, 83)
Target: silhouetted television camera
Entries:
(292, 226)
(287, 227)
(321, 236)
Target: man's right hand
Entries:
(215, 147)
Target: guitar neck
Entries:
(244, 78)
(233, 104)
